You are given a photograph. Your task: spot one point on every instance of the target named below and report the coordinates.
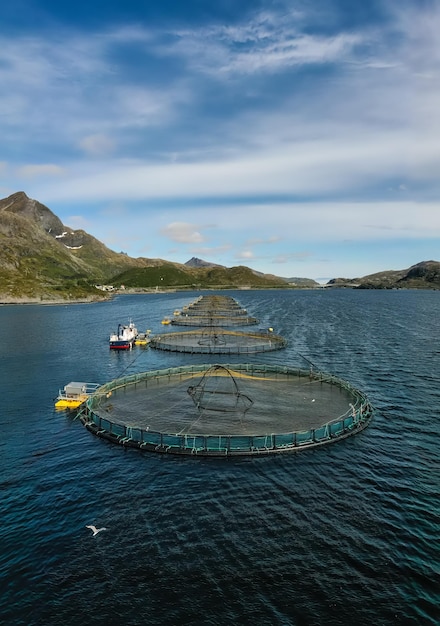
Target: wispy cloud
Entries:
(284, 127)
(182, 232)
(316, 168)
(42, 170)
(245, 255)
(97, 145)
(288, 257)
(268, 42)
(209, 251)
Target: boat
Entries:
(143, 339)
(124, 338)
(166, 321)
(74, 394)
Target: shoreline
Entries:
(29, 301)
(10, 301)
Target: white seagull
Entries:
(95, 530)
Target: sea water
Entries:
(340, 535)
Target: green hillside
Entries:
(41, 259)
(179, 276)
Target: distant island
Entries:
(42, 260)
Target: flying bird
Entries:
(95, 530)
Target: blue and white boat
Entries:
(124, 338)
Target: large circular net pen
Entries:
(213, 311)
(214, 340)
(222, 410)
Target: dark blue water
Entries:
(341, 535)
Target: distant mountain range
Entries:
(303, 282)
(41, 259)
(424, 275)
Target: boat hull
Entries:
(121, 345)
(63, 404)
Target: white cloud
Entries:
(361, 131)
(269, 41)
(302, 50)
(97, 145)
(297, 226)
(245, 254)
(182, 232)
(41, 170)
(314, 168)
(227, 115)
(74, 85)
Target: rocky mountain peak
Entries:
(195, 262)
(21, 205)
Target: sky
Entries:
(300, 138)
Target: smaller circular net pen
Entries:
(213, 311)
(213, 340)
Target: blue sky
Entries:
(299, 138)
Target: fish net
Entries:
(214, 311)
(214, 340)
(226, 410)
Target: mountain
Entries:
(195, 262)
(209, 276)
(297, 282)
(41, 259)
(424, 275)
(302, 282)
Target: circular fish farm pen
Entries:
(214, 319)
(226, 410)
(214, 340)
(214, 311)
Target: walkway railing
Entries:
(352, 421)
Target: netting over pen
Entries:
(213, 310)
(226, 410)
(216, 340)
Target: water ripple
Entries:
(331, 536)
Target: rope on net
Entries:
(216, 399)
